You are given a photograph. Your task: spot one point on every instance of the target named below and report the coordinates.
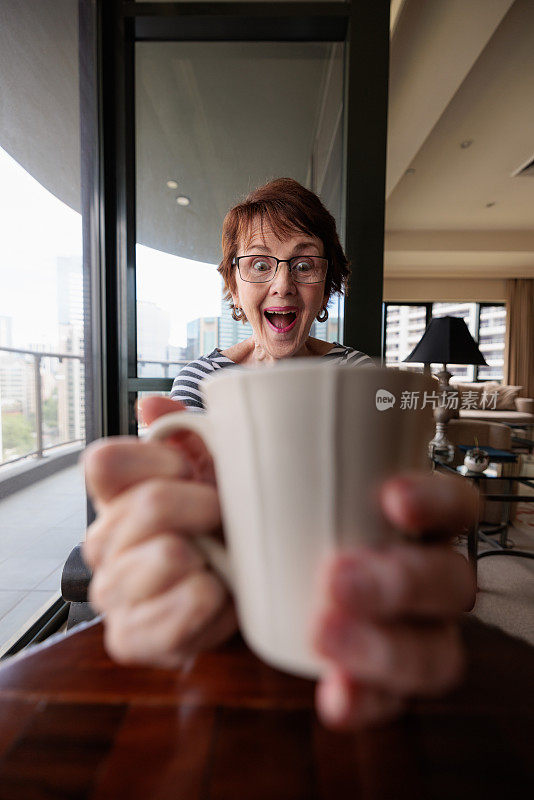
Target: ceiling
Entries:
(39, 92)
(220, 119)
(461, 72)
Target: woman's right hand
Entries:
(161, 602)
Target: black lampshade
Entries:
(447, 341)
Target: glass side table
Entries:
(522, 435)
(483, 482)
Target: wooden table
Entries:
(75, 725)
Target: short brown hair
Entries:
(288, 207)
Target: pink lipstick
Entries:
(276, 314)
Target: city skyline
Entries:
(37, 229)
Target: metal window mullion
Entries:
(246, 21)
(136, 385)
(92, 218)
(129, 424)
(385, 306)
(366, 82)
(260, 9)
(48, 623)
(93, 222)
(477, 336)
(115, 74)
(365, 137)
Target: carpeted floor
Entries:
(506, 584)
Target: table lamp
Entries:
(447, 341)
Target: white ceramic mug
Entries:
(300, 451)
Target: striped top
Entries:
(186, 387)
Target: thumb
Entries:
(150, 408)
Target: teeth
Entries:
(281, 312)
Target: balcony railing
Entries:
(143, 362)
(170, 368)
(37, 356)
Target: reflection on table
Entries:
(73, 724)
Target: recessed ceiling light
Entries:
(410, 171)
(489, 205)
(172, 184)
(182, 200)
(466, 143)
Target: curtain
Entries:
(520, 334)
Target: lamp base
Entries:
(439, 448)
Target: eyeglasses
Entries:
(260, 269)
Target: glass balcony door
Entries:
(215, 120)
(204, 103)
(44, 300)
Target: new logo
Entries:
(384, 399)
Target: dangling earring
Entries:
(322, 316)
(238, 317)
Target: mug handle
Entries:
(165, 426)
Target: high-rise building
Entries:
(71, 390)
(70, 373)
(492, 334)
(202, 336)
(16, 379)
(326, 331)
(405, 326)
(17, 394)
(231, 332)
(6, 331)
(70, 291)
(178, 357)
(153, 331)
(17, 397)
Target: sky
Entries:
(184, 288)
(36, 228)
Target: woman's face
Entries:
(282, 292)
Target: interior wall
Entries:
(444, 289)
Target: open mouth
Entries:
(281, 321)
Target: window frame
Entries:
(428, 306)
(364, 28)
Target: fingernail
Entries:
(400, 499)
(334, 701)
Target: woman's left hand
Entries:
(389, 627)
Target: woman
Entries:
(282, 261)
(388, 624)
